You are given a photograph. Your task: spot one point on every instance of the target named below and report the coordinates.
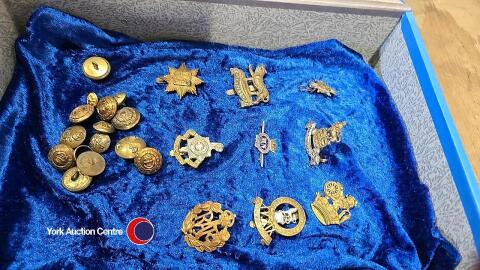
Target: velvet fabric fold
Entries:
(392, 227)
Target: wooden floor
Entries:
(451, 31)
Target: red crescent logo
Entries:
(147, 232)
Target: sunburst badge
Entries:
(181, 80)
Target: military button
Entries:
(61, 157)
(96, 68)
(73, 180)
(126, 118)
(81, 113)
(104, 127)
(73, 136)
(128, 147)
(90, 163)
(148, 160)
(99, 142)
(92, 99)
(107, 108)
(120, 98)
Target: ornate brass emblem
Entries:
(192, 149)
(251, 91)
(320, 87)
(273, 218)
(317, 139)
(181, 80)
(205, 227)
(264, 144)
(336, 212)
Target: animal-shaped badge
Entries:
(318, 138)
(251, 91)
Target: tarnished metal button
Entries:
(128, 147)
(96, 68)
(104, 127)
(120, 98)
(92, 99)
(99, 142)
(73, 180)
(148, 160)
(81, 113)
(73, 136)
(61, 157)
(107, 108)
(90, 163)
(126, 118)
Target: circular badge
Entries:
(148, 160)
(128, 147)
(99, 142)
(96, 68)
(140, 231)
(81, 113)
(107, 108)
(92, 99)
(90, 163)
(126, 118)
(104, 127)
(73, 180)
(61, 157)
(73, 136)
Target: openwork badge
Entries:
(264, 144)
(251, 91)
(181, 80)
(318, 138)
(334, 207)
(192, 149)
(205, 227)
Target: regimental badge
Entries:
(318, 138)
(320, 87)
(205, 227)
(251, 91)
(275, 218)
(264, 144)
(181, 80)
(192, 149)
(336, 212)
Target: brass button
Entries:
(73, 180)
(148, 160)
(107, 108)
(81, 113)
(99, 142)
(96, 68)
(104, 127)
(92, 99)
(120, 98)
(61, 157)
(73, 136)
(128, 147)
(91, 163)
(126, 118)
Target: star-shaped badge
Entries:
(181, 80)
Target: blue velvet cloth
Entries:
(392, 227)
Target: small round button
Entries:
(73, 136)
(128, 147)
(61, 157)
(96, 68)
(126, 118)
(91, 163)
(99, 142)
(148, 160)
(107, 108)
(73, 180)
(104, 127)
(92, 99)
(120, 98)
(81, 113)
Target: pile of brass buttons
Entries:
(205, 227)
(147, 160)
(82, 167)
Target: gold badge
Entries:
(92, 99)
(148, 160)
(61, 157)
(264, 144)
(318, 138)
(90, 163)
(251, 91)
(96, 68)
(320, 87)
(205, 227)
(107, 108)
(128, 147)
(99, 142)
(181, 80)
(276, 218)
(73, 180)
(192, 148)
(73, 136)
(104, 127)
(126, 118)
(81, 113)
(334, 207)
